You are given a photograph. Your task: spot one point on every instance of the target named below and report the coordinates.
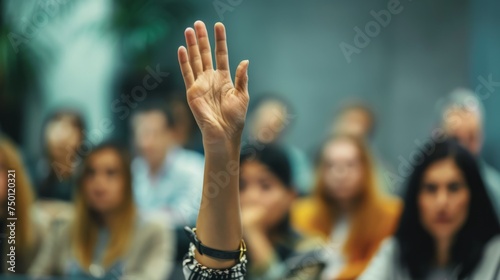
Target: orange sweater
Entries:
(311, 216)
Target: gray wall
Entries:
(293, 47)
(485, 61)
(426, 50)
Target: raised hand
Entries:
(218, 105)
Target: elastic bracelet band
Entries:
(215, 253)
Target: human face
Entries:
(466, 127)
(342, 170)
(104, 182)
(265, 200)
(63, 140)
(443, 200)
(269, 121)
(152, 136)
(356, 122)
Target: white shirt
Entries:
(333, 253)
(175, 189)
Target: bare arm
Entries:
(219, 107)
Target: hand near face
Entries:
(253, 218)
(218, 105)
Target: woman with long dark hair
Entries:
(266, 195)
(53, 173)
(448, 229)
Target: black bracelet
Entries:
(214, 253)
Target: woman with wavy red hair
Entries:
(346, 208)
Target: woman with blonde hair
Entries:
(16, 196)
(346, 208)
(107, 237)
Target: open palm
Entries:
(218, 105)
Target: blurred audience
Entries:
(107, 238)
(167, 177)
(358, 119)
(463, 118)
(195, 194)
(16, 196)
(53, 171)
(346, 208)
(266, 195)
(268, 122)
(448, 228)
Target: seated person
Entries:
(463, 118)
(106, 237)
(347, 209)
(358, 119)
(53, 172)
(448, 229)
(167, 177)
(268, 123)
(266, 194)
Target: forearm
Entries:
(219, 107)
(219, 225)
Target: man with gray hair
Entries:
(462, 118)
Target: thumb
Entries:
(241, 81)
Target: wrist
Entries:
(222, 146)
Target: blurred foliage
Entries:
(141, 25)
(136, 27)
(19, 57)
(15, 67)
